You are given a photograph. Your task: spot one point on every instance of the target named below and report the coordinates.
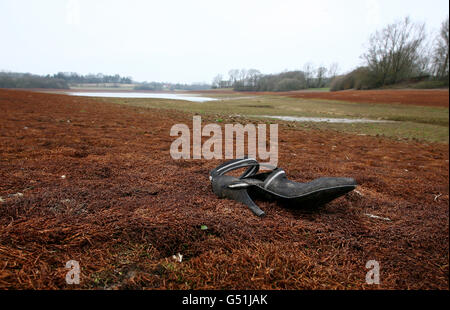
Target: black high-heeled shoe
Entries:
(274, 185)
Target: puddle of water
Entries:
(186, 97)
(323, 119)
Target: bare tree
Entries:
(242, 76)
(440, 57)
(321, 72)
(308, 69)
(333, 71)
(394, 53)
(234, 75)
(252, 77)
(217, 81)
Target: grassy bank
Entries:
(410, 122)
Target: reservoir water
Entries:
(187, 97)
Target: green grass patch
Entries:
(319, 89)
(430, 85)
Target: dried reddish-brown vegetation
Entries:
(125, 206)
(435, 98)
(438, 98)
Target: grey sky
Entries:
(192, 41)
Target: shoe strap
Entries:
(274, 175)
(251, 163)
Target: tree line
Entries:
(160, 86)
(27, 80)
(63, 80)
(253, 80)
(99, 78)
(400, 52)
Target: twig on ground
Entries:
(437, 196)
(377, 217)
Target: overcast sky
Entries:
(192, 41)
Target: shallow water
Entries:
(187, 97)
(323, 119)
